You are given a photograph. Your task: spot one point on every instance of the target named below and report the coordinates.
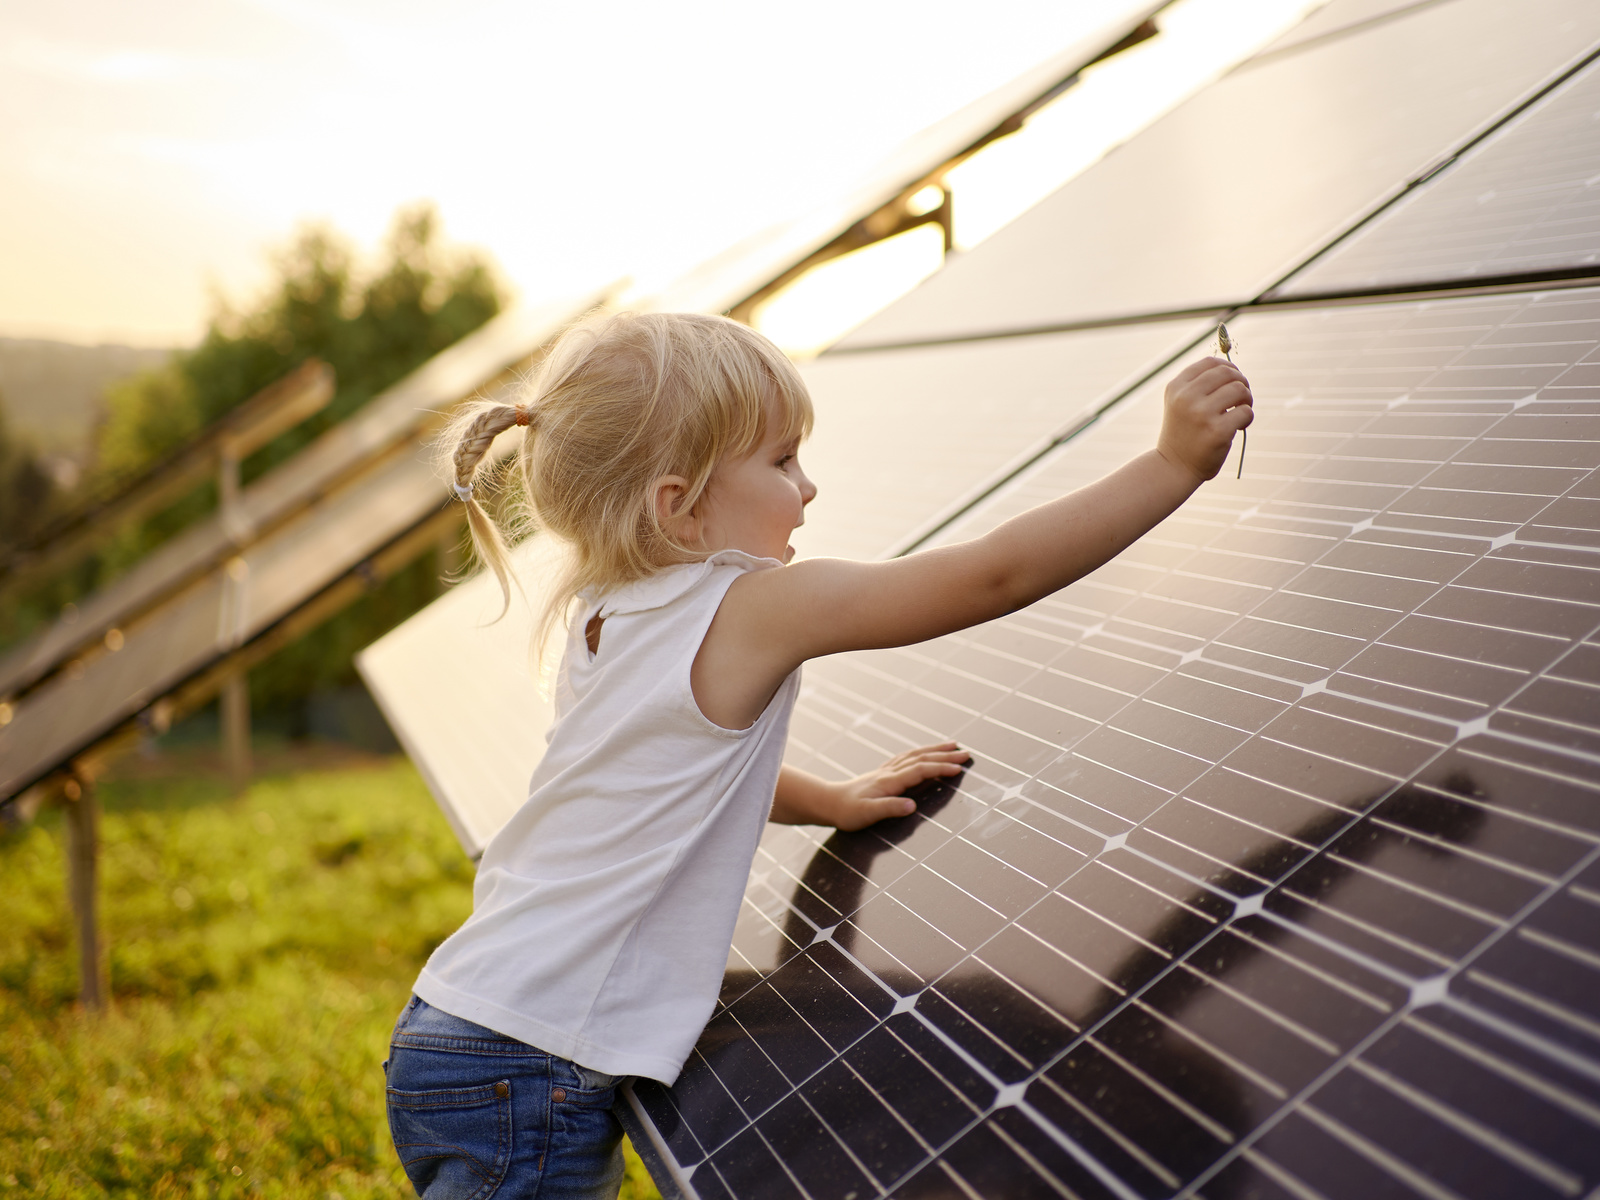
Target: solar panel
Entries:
(1278, 869)
(360, 491)
(460, 690)
(1341, 18)
(395, 416)
(752, 266)
(214, 617)
(901, 436)
(69, 538)
(1525, 201)
(1249, 178)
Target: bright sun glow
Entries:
(153, 155)
(1199, 40)
(816, 309)
(151, 152)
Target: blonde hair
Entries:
(619, 402)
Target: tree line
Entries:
(372, 324)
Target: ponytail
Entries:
(618, 402)
(473, 431)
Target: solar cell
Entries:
(1277, 872)
(1525, 200)
(1221, 198)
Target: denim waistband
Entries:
(423, 1027)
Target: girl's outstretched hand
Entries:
(803, 799)
(1207, 403)
(878, 795)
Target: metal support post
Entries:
(83, 887)
(234, 708)
(234, 701)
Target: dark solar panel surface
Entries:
(1278, 870)
(1526, 200)
(903, 435)
(1252, 176)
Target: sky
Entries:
(153, 155)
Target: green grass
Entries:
(260, 949)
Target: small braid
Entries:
(475, 442)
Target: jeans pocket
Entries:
(455, 1143)
(594, 1081)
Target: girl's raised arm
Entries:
(772, 621)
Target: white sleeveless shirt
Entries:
(603, 911)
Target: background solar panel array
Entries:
(391, 421)
(1276, 871)
(1232, 190)
(363, 491)
(1526, 200)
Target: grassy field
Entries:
(260, 949)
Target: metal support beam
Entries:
(234, 710)
(233, 705)
(893, 219)
(83, 886)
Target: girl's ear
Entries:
(668, 493)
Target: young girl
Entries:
(661, 450)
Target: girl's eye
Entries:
(785, 461)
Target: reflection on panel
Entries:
(216, 615)
(1526, 200)
(1277, 872)
(903, 435)
(1251, 177)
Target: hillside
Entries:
(53, 391)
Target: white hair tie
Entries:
(463, 491)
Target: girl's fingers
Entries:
(1198, 367)
(882, 808)
(1218, 379)
(1233, 394)
(916, 773)
(945, 751)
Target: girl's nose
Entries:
(808, 490)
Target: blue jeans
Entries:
(476, 1114)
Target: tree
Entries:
(27, 493)
(372, 327)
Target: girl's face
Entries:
(754, 503)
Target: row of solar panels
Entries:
(1277, 873)
(305, 537)
(909, 437)
(224, 584)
